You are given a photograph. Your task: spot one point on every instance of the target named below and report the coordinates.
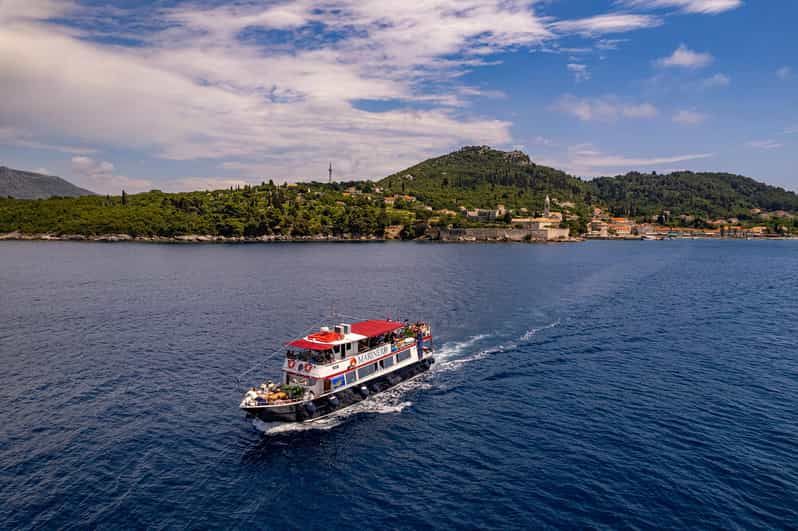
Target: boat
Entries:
(333, 369)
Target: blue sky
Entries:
(192, 95)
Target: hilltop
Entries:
(29, 185)
(482, 177)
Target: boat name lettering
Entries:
(376, 353)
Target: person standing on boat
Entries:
(420, 342)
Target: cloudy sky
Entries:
(185, 95)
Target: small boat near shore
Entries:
(333, 369)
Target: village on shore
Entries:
(550, 226)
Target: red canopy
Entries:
(375, 328)
(310, 345)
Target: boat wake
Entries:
(532, 332)
(449, 357)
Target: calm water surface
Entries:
(605, 384)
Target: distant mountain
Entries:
(713, 195)
(479, 176)
(28, 185)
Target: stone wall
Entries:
(501, 234)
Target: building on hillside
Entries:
(544, 228)
(598, 228)
(481, 214)
(512, 234)
(620, 226)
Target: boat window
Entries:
(403, 356)
(387, 362)
(351, 377)
(367, 370)
(322, 357)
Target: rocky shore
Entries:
(187, 238)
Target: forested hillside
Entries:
(267, 209)
(479, 176)
(708, 195)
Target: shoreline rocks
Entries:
(183, 238)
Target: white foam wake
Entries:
(532, 332)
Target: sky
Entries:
(184, 95)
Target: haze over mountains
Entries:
(29, 185)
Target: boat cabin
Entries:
(332, 358)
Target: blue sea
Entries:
(597, 385)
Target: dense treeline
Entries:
(707, 195)
(313, 209)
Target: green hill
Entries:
(28, 185)
(481, 177)
(707, 195)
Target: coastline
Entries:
(187, 238)
(211, 239)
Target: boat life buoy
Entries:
(352, 363)
(308, 367)
(325, 337)
(291, 364)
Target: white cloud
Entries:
(14, 137)
(589, 160)
(28, 10)
(580, 71)
(785, 72)
(606, 109)
(684, 57)
(642, 110)
(99, 176)
(711, 7)
(606, 24)
(718, 80)
(195, 90)
(188, 184)
(686, 117)
(764, 144)
(610, 44)
(542, 141)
